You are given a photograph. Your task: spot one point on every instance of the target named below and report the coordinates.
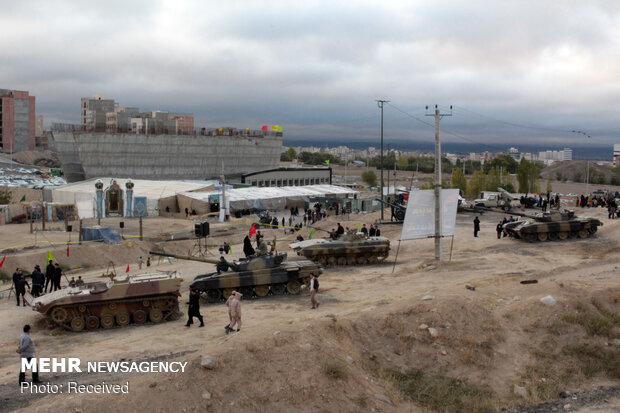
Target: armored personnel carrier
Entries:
(116, 302)
(253, 276)
(552, 225)
(350, 249)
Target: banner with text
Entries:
(420, 216)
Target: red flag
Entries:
(252, 232)
(67, 250)
(2, 262)
(127, 270)
(264, 128)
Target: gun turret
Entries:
(232, 265)
(244, 264)
(551, 216)
(399, 210)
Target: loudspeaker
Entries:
(201, 229)
(121, 224)
(69, 228)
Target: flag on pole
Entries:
(327, 162)
(229, 249)
(275, 128)
(279, 128)
(23, 199)
(2, 262)
(67, 250)
(252, 231)
(264, 128)
(310, 233)
(50, 257)
(127, 270)
(359, 226)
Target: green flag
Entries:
(229, 249)
(310, 233)
(359, 226)
(50, 257)
(327, 162)
(23, 199)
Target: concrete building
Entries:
(17, 120)
(94, 112)
(616, 154)
(568, 154)
(38, 126)
(120, 119)
(86, 155)
(288, 177)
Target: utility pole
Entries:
(388, 183)
(588, 162)
(437, 115)
(380, 103)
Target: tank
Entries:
(552, 225)
(350, 249)
(255, 276)
(398, 211)
(118, 302)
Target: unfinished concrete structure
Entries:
(86, 155)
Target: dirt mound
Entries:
(577, 171)
(46, 158)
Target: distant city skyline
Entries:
(515, 72)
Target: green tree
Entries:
(507, 182)
(492, 181)
(549, 187)
(559, 176)
(458, 180)
(288, 155)
(5, 197)
(476, 183)
(527, 175)
(369, 178)
(506, 162)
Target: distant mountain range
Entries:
(600, 153)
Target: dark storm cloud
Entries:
(316, 67)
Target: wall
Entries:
(163, 156)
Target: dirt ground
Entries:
(345, 355)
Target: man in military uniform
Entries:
(222, 266)
(262, 247)
(20, 284)
(194, 308)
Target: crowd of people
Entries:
(40, 282)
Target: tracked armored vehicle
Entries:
(552, 225)
(116, 302)
(349, 249)
(253, 276)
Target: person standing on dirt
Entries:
(20, 283)
(38, 279)
(25, 349)
(314, 289)
(57, 276)
(234, 311)
(476, 226)
(194, 308)
(499, 229)
(140, 263)
(49, 276)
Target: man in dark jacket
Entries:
(38, 279)
(194, 308)
(476, 226)
(377, 231)
(20, 284)
(49, 276)
(57, 276)
(247, 247)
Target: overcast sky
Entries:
(316, 67)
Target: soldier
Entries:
(194, 308)
(49, 276)
(25, 349)
(365, 230)
(20, 284)
(79, 281)
(259, 236)
(262, 247)
(38, 279)
(377, 231)
(222, 266)
(476, 226)
(499, 229)
(314, 288)
(234, 311)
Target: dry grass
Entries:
(596, 319)
(336, 370)
(442, 393)
(594, 359)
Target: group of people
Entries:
(40, 281)
(334, 234)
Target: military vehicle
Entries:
(552, 225)
(253, 276)
(115, 302)
(349, 249)
(398, 211)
